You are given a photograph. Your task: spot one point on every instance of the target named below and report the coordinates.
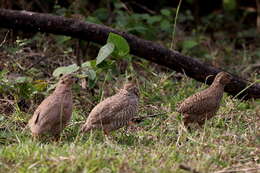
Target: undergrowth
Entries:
(231, 140)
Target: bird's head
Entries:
(223, 78)
(67, 80)
(131, 88)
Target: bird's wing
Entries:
(47, 111)
(198, 103)
(107, 110)
(127, 113)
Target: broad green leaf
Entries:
(154, 19)
(121, 45)
(92, 19)
(166, 12)
(65, 70)
(229, 5)
(91, 83)
(188, 44)
(87, 64)
(91, 74)
(140, 29)
(101, 13)
(165, 25)
(189, 1)
(104, 52)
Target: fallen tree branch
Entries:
(30, 21)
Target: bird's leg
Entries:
(108, 137)
(205, 117)
(131, 126)
(106, 132)
(35, 136)
(56, 138)
(201, 119)
(202, 122)
(187, 119)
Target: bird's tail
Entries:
(141, 119)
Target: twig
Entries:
(174, 26)
(143, 7)
(4, 39)
(238, 170)
(250, 67)
(187, 168)
(142, 118)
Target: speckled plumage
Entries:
(114, 112)
(204, 105)
(53, 114)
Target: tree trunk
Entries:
(30, 21)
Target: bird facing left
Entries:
(54, 112)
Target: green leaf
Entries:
(154, 19)
(121, 45)
(189, 1)
(104, 52)
(40, 85)
(229, 5)
(188, 44)
(165, 25)
(166, 12)
(23, 79)
(92, 19)
(140, 29)
(65, 70)
(91, 74)
(101, 13)
(87, 64)
(62, 39)
(91, 83)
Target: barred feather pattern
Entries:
(204, 105)
(114, 112)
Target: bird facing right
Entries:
(114, 112)
(204, 105)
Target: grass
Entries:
(231, 140)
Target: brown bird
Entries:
(204, 105)
(114, 112)
(53, 114)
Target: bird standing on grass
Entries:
(54, 113)
(114, 112)
(204, 105)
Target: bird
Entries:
(54, 112)
(203, 105)
(114, 112)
